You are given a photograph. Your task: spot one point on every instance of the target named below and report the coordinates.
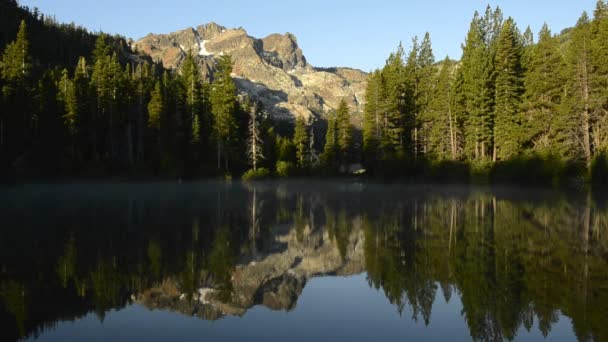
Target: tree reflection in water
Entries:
(514, 258)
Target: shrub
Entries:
(252, 174)
(285, 169)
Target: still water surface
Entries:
(301, 261)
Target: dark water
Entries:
(301, 261)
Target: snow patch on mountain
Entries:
(203, 50)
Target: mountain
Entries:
(272, 70)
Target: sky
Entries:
(352, 33)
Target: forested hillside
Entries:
(517, 107)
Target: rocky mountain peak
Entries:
(210, 30)
(286, 49)
(272, 70)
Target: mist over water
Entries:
(300, 260)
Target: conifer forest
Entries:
(520, 106)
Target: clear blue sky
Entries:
(353, 33)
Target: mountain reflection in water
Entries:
(516, 261)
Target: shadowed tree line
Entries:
(515, 108)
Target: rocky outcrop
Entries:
(275, 280)
(272, 70)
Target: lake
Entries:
(301, 261)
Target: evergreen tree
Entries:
(542, 97)
(476, 87)
(223, 107)
(255, 143)
(425, 90)
(599, 80)
(67, 96)
(392, 109)
(16, 60)
(156, 107)
(443, 136)
(409, 95)
(191, 83)
(196, 130)
(372, 123)
(300, 141)
(507, 127)
(527, 45)
(16, 117)
(578, 97)
(84, 109)
(344, 132)
(330, 150)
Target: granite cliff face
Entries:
(272, 70)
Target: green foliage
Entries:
(196, 129)
(508, 101)
(543, 96)
(260, 173)
(155, 106)
(301, 142)
(285, 169)
(330, 152)
(16, 59)
(224, 106)
(507, 63)
(344, 132)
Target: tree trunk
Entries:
(415, 142)
(586, 112)
(219, 155)
(452, 135)
(140, 130)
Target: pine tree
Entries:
(477, 73)
(330, 150)
(67, 96)
(578, 99)
(409, 94)
(255, 143)
(392, 108)
(542, 97)
(527, 45)
(344, 132)
(372, 127)
(191, 83)
(223, 107)
(156, 107)
(300, 141)
(84, 109)
(196, 130)
(507, 127)
(599, 80)
(15, 68)
(101, 84)
(443, 136)
(425, 90)
(16, 64)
